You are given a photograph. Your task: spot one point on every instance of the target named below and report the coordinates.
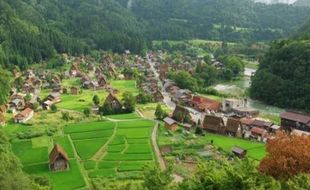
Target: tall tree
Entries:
(5, 86)
(287, 155)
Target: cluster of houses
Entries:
(232, 117)
(25, 96)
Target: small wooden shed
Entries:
(58, 159)
(170, 124)
(239, 152)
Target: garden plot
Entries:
(29, 155)
(88, 138)
(128, 152)
(66, 180)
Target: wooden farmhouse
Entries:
(181, 114)
(205, 104)
(58, 159)
(170, 124)
(214, 124)
(294, 120)
(24, 116)
(114, 103)
(239, 152)
(234, 127)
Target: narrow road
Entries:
(196, 115)
(160, 159)
(167, 99)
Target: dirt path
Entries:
(160, 159)
(102, 151)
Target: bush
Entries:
(86, 112)
(66, 116)
(29, 134)
(54, 108)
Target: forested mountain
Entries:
(305, 3)
(283, 76)
(233, 20)
(35, 30)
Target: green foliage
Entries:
(86, 112)
(12, 177)
(144, 98)
(155, 179)
(54, 108)
(184, 80)
(66, 116)
(241, 175)
(242, 20)
(129, 102)
(159, 112)
(96, 100)
(283, 78)
(5, 86)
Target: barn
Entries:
(58, 159)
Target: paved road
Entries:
(167, 99)
(161, 161)
(196, 115)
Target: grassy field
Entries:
(255, 150)
(125, 86)
(67, 180)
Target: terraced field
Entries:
(117, 149)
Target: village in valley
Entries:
(107, 115)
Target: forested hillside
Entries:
(35, 30)
(232, 20)
(283, 76)
(31, 31)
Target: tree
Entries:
(144, 98)
(12, 176)
(5, 86)
(199, 131)
(155, 179)
(129, 102)
(223, 175)
(27, 97)
(66, 116)
(54, 108)
(86, 112)
(287, 156)
(159, 112)
(106, 109)
(96, 100)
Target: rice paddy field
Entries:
(116, 149)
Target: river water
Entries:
(238, 88)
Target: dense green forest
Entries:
(233, 20)
(35, 30)
(283, 76)
(31, 31)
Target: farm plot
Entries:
(66, 180)
(88, 147)
(128, 152)
(65, 144)
(29, 155)
(88, 138)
